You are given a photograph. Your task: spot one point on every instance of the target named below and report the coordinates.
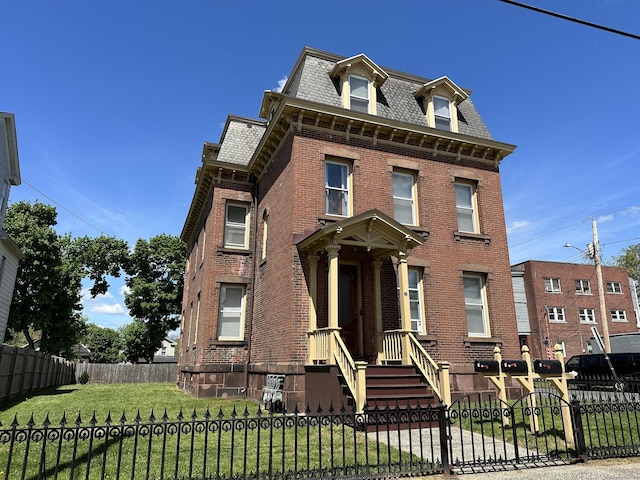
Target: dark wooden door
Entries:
(348, 307)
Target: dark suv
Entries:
(595, 367)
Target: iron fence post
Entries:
(578, 431)
(444, 439)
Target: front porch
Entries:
(340, 337)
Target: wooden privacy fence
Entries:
(128, 373)
(24, 371)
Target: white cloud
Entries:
(281, 83)
(109, 309)
(518, 226)
(632, 211)
(124, 289)
(605, 218)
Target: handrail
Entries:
(350, 372)
(427, 366)
(392, 346)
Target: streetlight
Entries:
(593, 252)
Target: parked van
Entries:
(596, 364)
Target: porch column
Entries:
(405, 305)
(313, 306)
(377, 299)
(334, 273)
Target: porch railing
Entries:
(352, 371)
(319, 345)
(434, 375)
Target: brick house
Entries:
(562, 304)
(358, 224)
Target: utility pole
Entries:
(603, 308)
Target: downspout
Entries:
(253, 285)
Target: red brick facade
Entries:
(288, 195)
(573, 332)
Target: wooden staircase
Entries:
(397, 387)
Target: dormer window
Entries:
(442, 113)
(359, 94)
(359, 79)
(440, 99)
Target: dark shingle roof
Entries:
(240, 140)
(396, 100)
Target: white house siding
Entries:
(7, 283)
(520, 297)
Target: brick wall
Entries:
(572, 332)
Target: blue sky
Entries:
(113, 100)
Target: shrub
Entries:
(84, 378)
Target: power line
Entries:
(573, 19)
(62, 206)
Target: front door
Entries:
(348, 307)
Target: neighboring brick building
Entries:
(563, 304)
(302, 226)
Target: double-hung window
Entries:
(614, 287)
(359, 94)
(556, 314)
(442, 113)
(587, 315)
(475, 303)
(404, 205)
(618, 315)
(466, 207)
(415, 300)
(231, 314)
(236, 226)
(336, 188)
(583, 287)
(552, 285)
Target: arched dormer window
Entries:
(440, 99)
(359, 79)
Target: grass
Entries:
(235, 443)
(112, 398)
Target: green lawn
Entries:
(242, 440)
(112, 398)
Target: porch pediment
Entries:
(372, 230)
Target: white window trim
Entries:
(619, 315)
(586, 314)
(348, 188)
(474, 204)
(351, 95)
(414, 204)
(556, 312)
(435, 117)
(616, 288)
(580, 284)
(227, 223)
(419, 289)
(552, 288)
(242, 312)
(483, 305)
(265, 232)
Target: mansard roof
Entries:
(311, 79)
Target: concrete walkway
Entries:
(611, 469)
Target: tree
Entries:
(630, 260)
(47, 291)
(46, 300)
(156, 279)
(135, 338)
(105, 344)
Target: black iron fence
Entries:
(218, 446)
(476, 433)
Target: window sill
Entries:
(234, 251)
(457, 236)
(228, 343)
(328, 219)
(468, 341)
